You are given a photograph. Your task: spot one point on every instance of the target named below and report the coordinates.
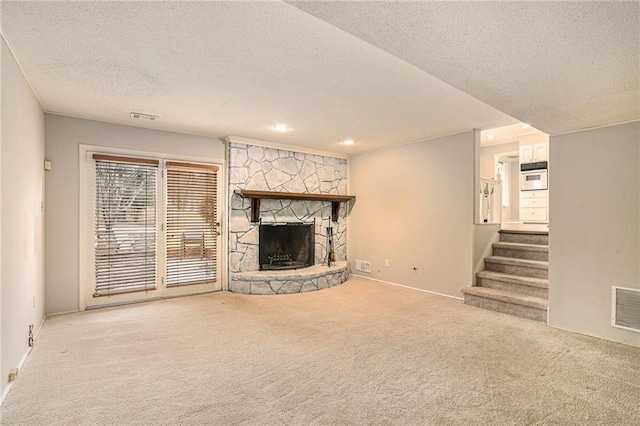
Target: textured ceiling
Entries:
(379, 72)
(560, 66)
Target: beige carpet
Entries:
(360, 353)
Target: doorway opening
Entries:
(507, 166)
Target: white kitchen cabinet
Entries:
(534, 206)
(526, 153)
(541, 193)
(534, 153)
(534, 202)
(533, 215)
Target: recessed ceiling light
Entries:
(349, 142)
(526, 126)
(141, 116)
(490, 137)
(281, 128)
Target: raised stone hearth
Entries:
(268, 169)
(313, 278)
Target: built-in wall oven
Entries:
(533, 176)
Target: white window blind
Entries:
(125, 224)
(191, 237)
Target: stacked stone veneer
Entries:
(269, 169)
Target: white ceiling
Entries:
(373, 72)
(557, 65)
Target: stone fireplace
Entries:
(259, 168)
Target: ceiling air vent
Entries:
(625, 308)
(141, 116)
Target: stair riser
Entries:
(523, 271)
(514, 288)
(525, 239)
(521, 254)
(506, 308)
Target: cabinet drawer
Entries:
(534, 194)
(530, 214)
(533, 202)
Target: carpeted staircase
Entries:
(515, 279)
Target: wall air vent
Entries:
(625, 308)
(363, 265)
(141, 116)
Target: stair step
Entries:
(525, 237)
(505, 296)
(522, 246)
(528, 286)
(513, 266)
(521, 251)
(530, 307)
(515, 279)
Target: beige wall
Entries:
(484, 235)
(594, 227)
(414, 206)
(532, 139)
(487, 157)
(22, 233)
(63, 137)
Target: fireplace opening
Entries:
(286, 246)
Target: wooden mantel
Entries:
(256, 196)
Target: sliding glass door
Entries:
(151, 229)
(125, 237)
(191, 238)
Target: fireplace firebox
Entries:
(286, 246)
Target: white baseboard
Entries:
(55, 314)
(407, 287)
(7, 388)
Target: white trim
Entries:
(133, 125)
(82, 159)
(5, 392)
(385, 148)
(7, 388)
(630, 343)
(55, 314)
(285, 147)
(227, 213)
(151, 299)
(510, 156)
(407, 287)
(604, 126)
(35, 92)
(36, 332)
(496, 143)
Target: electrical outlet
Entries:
(386, 263)
(13, 374)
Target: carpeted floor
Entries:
(360, 353)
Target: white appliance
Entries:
(534, 176)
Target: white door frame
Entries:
(86, 253)
(512, 156)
